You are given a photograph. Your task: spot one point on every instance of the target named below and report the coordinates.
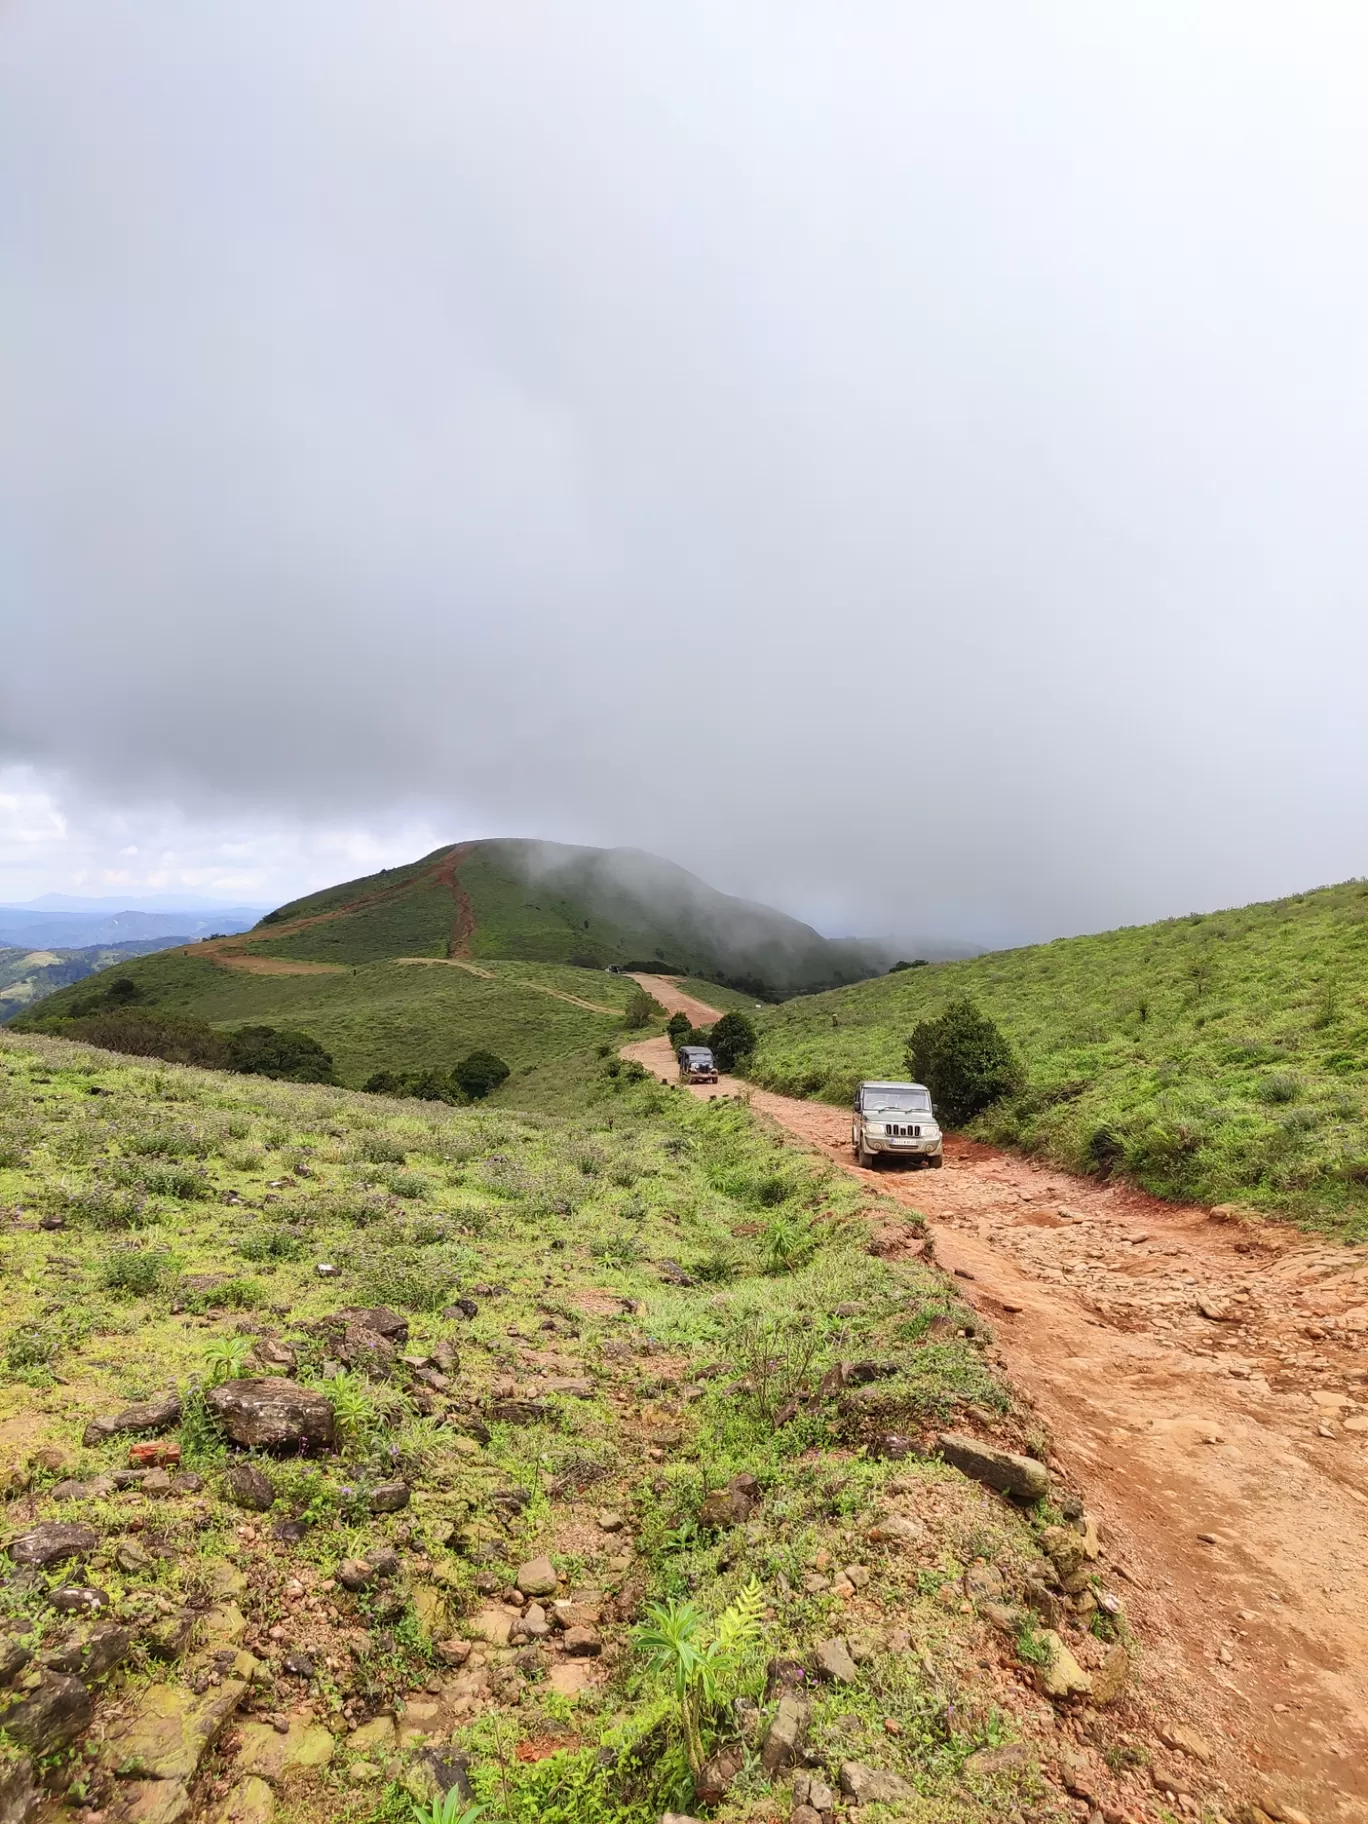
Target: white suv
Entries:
(894, 1119)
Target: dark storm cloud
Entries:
(902, 461)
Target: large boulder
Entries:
(274, 1414)
(19, 1794)
(50, 1716)
(166, 1734)
(53, 1543)
(147, 1415)
(1003, 1470)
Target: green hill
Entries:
(501, 946)
(546, 902)
(1221, 1057)
(28, 975)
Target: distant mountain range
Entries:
(61, 921)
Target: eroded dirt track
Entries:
(1206, 1384)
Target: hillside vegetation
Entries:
(1220, 1057)
(551, 1395)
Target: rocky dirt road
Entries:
(1206, 1382)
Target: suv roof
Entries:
(889, 1083)
(694, 1051)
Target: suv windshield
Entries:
(905, 1101)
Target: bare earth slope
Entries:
(1206, 1381)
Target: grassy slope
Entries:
(29, 975)
(1226, 1053)
(397, 1015)
(555, 1223)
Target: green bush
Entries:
(677, 1026)
(642, 1010)
(734, 1040)
(479, 1074)
(135, 1274)
(266, 1051)
(964, 1060)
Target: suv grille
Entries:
(904, 1133)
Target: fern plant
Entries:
(225, 1358)
(678, 1644)
(445, 1808)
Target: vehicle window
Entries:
(901, 1101)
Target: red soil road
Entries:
(1226, 1456)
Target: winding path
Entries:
(1207, 1382)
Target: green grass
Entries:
(1222, 1058)
(558, 1225)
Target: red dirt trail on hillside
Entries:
(1225, 1453)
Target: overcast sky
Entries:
(903, 461)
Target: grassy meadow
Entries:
(650, 1290)
(1220, 1057)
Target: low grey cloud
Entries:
(900, 461)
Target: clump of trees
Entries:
(118, 1022)
(964, 1059)
(475, 1077)
(732, 1040)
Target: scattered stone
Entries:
(69, 1490)
(160, 1453)
(165, 1737)
(897, 1529)
(989, 1763)
(673, 1274)
(289, 1532)
(272, 1354)
(51, 1716)
(609, 1520)
(453, 1652)
(1002, 1616)
(1060, 1676)
(582, 1643)
(1003, 1470)
(90, 1656)
(54, 1542)
(326, 1270)
(1064, 1548)
(156, 1482)
(251, 1801)
(717, 1773)
(1111, 1678)
(784, 1737)
(14, 1656)
(389, 1497)
(537, 1577)
(147, 1415)
(79, 1599)
(272, 1414)
(367, 1351)
(1187, 1741)
(983, 1582)
(870, 1786)
(248, 1486)
(520, 1412)
(834, 1662)
(299, 1665)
